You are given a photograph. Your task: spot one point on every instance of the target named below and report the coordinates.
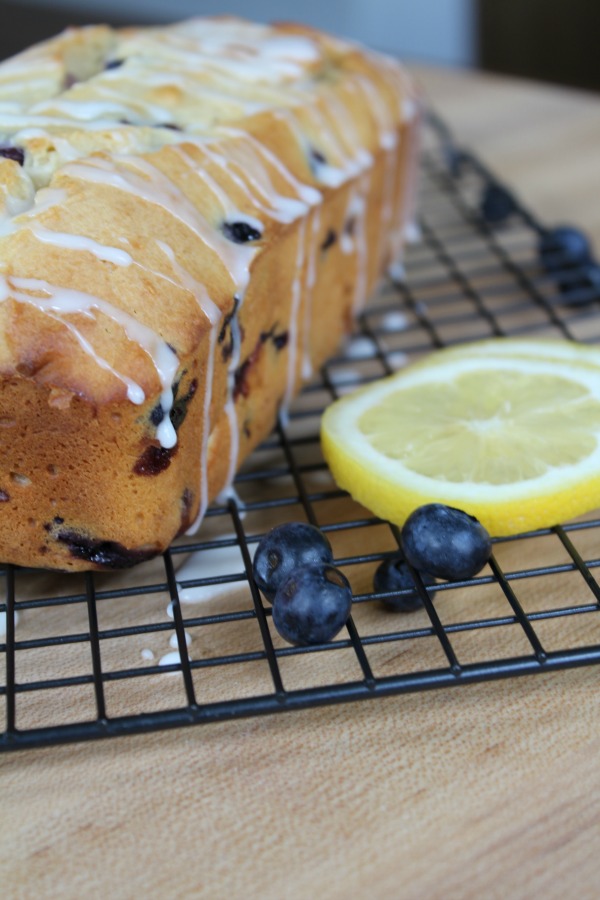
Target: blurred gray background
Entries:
(550, 40)
(433, 30)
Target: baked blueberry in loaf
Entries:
(190, 217)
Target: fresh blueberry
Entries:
(563, 248)
(394, 575)
(317, 156)
(591, 274)
(181, 403)
(497, 204)
(17, 154)
(280, 340)
(445, 542)
(316, 159)
(227, 329)
(581, 285)
(286, 548)
(154, 460)
(108, 554)
(240, 232)
(312, 605)
(456, 160)
(329, 240)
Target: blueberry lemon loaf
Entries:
(190, 217)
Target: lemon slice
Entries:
(513, 440)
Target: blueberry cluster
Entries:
(311, 599)
(439, 542)
(293, 567)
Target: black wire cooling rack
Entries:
(186, 639)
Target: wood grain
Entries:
(487, 791)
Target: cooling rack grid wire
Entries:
(187, 639)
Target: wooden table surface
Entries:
(487, 791)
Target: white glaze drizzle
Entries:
(361, 347)
(324, 172)
(84, 110)
(311, 278)
(234, 436)
(360, 292)
(108, 105)
(345, 129)
(214, 316)
(404, 227)
(293, 340)
(240, 290)
(140, 177)
(397, 272)
(102, 252)
(356, 242)
(388, 225)
(165, 432)
(388, 141)
(207, 565)
(252, 53)
(241, 285)
(135, 393)
(230, 211)
(393, 321)
(308, 194)
(386, 127)
(174, 642)
(59, 301)
(171, 659)
(254, 181)
(410, 231)
(17, 122)
(3, 622)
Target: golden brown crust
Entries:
(199, 213)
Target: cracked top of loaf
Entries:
(142, 171)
